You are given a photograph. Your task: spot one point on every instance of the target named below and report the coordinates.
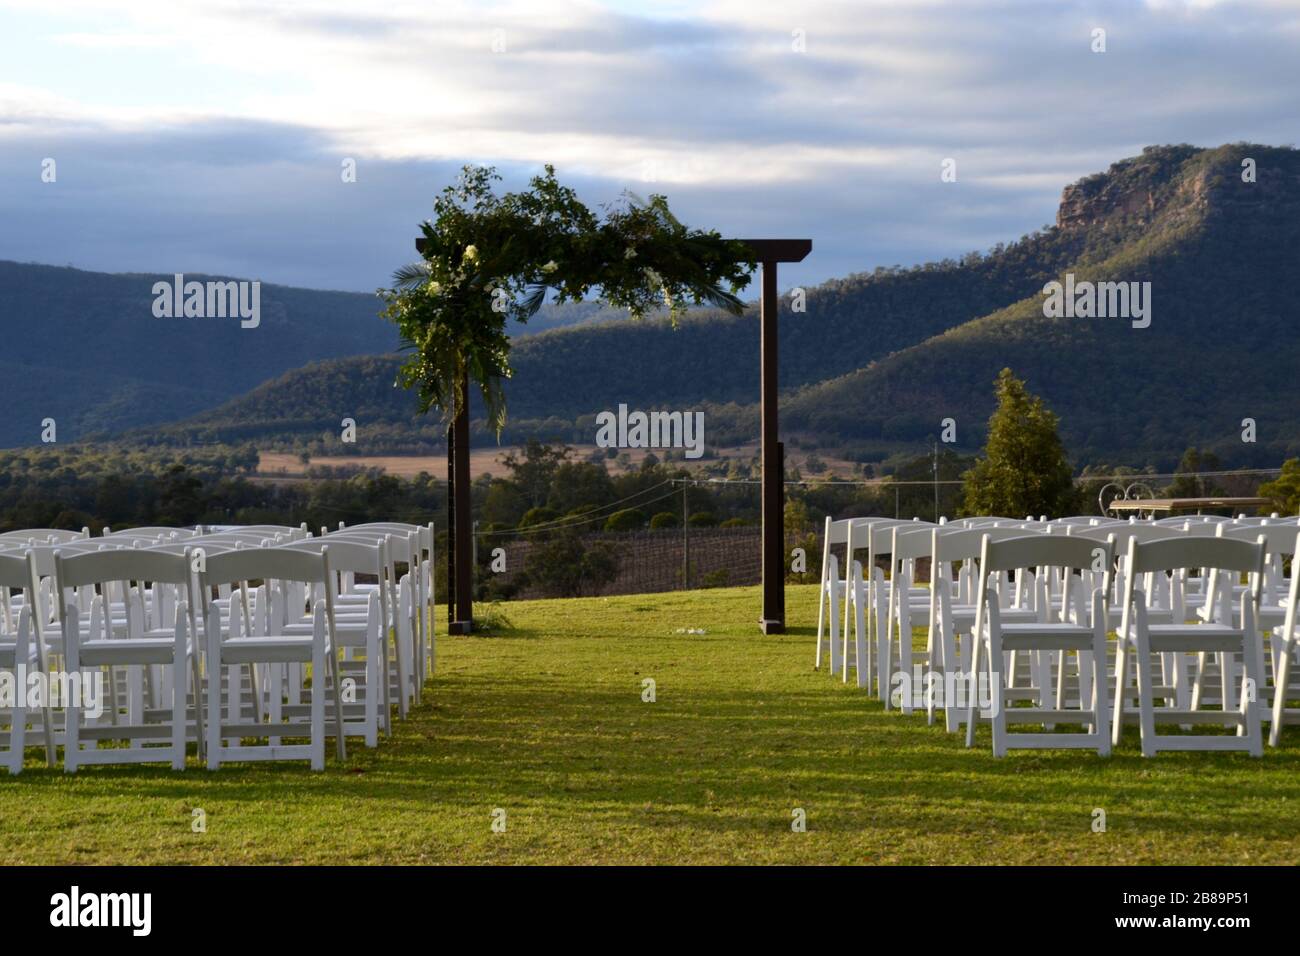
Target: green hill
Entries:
(93, 357)
(1220, 255)
(878, 359)
(90, 353)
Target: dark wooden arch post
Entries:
(460, 566)
(460, 543)
(768, 252)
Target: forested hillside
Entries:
(878, 359)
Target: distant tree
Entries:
(564, 567)
(1285, 489)
(535, 469)
(1023, 469)
(629, 519)
(504, 503)
(576, 483)
(1189, 484)
(702, 519)
(536, 516)
(664, 519)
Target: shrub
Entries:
(535, 516)
(629, 519)
(664, 519)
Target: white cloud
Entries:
(709, 101)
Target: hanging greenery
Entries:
(488, 259)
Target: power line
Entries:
(578, 521)
(1079, 479)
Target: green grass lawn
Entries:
(546, 721)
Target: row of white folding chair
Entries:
(362, 632)
(129, 620)
(402, 546)
(952, 613)
(224, 564)
(834, 590)
(137, 646)
(844, 585)
(1174, 598)
(274, 690)
(865, 597)
(1221, 634)
(422, 587)
(369, 614)
(266, 684)
(46, 629)
(1077, 627)
(900, 600)
(910, 545)
(1275, 599)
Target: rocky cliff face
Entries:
(1173, 182)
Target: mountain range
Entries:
(873, 364)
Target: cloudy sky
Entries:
(208, 135)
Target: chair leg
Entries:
(179, 682)
(17, 730)
(318, 686)
(1100, 705)
(1146, 706)
(274, 704)
(972, 706)
(340, 744)
(999, 716)
(1227, 688)
(951, 664)
(1252, 674)
(1121, 691)
(72, 708)
(374, 678)
(821, 621)
(1281, 677)
(214, 688)
(833, 639)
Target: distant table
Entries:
(1185, 505)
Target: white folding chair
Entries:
(831, 590)
(952, 611)
(1073, 629)
(174, 649)
(422, 587)
(1284, 647)
(400, 547)
(22, 652)
(319, 649)
(358, 630)
(1139, 639)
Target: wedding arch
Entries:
(488, 259)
